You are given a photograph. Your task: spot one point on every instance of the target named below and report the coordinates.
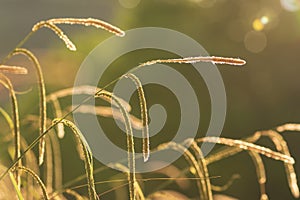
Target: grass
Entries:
(51, 185)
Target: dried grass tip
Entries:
(191, 60)
(13, 69)
(90, 22)
(86, 22)
(288, 127)
(215, 60)
(249, 147)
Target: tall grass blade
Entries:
(87, 155)
(30, 162)
(261, 174)
(130, 142)
(204, 175)
(7, 118)
(144, 114)
(16, 122)
(42, 96)
(48, 164)
(58, 114)
(37, 178)
(57, 161)
(282, 147)
(139, 191)
(192, 162)
(16, 187)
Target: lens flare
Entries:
(255, 41)
(290, 5)
(260, 23)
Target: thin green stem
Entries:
(16, 123)
(42, 95)
(144, 115)
(130, 141)
(20, 44)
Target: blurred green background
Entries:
(260, 95)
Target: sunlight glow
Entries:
(259, 23)
(290, 5)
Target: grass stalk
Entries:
(130, 142)
(57, 161)
(88, 159)
(16, 187)
(58, 114)
(42, 96)
(282, 147)
(139, 191)
(261, 174)
(16, 123)
(192, 162)
(204, 175)
(48, 164)
(37, 178)
(144, 115)
(248, 147)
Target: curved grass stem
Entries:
(16, 123)
(88, 158)
(42, 95)
(248, 147)
(37, 178)
(192, 162)
(139, 191)
(130, 142)
(144, 115)
(204, 175)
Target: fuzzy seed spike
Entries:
(89, 22)
(13, 69)
(144, 115)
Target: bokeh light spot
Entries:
(259, 23)
(264, 20)
(255, 41)
(129, 3)
(290, 5)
